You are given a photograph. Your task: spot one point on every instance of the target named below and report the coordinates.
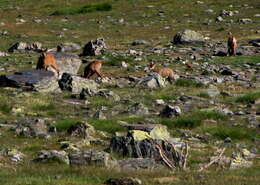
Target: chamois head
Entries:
(152, 65)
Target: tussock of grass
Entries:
(116, 60)
(108, 125)
(193, 119)
(187, 83)
(236, 133)
(249, 97)
(5, 108)
(84, 9)
(63, 125)
(43, 107)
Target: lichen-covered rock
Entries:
(26, 46)
(187, 36)
(94, 48)
(81, 129)
(138, 109)
(52, 155)
(92, 157)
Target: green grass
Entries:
(248, 97)
(193, 120)
(42, 107)
(5, 108)
(235, 133)
(107, 125)
(64, 125)
(84, 9)
(183, 82)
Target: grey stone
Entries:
(94, 48)
(140, 42)
(52, 155)
(170, 111)
(138, 109)
(188, 36)
(81, 129)
(4, 54)
(219, 19)
(92, 157)
(152, 80)
(211, 92)
(26, 46)
(245, 20)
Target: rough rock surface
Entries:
(123, 181)
(43, 81)
(67, 63)
(81, 129)
(26, 46)
(152, 80)
(94, 48)
(132, 164)
(91, 157)
(187, 36)
(68, 46)
(52, 155)
(170, 111)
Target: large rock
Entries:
(37, 128)
(81, 129)
(43, 81)
(187, 36)
(123, 181)
(152, 80)
(52, 155)
(170, 111)
(68, 46)
(67, 63)
(94, 48)
(138, 109)
(26, 46)
(92, 157)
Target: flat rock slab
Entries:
(42, 81)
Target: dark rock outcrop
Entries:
(26, 46)
(94, 48)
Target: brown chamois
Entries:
(92, 68)
(232, 45)
(47, 60)
(164, 72)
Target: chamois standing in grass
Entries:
(47, 60)
(232, 45)
(164, 72)
(92, 68)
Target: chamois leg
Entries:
(54, 66)
(99, 73)
(90, 73)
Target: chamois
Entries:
(232, 45)
(92, 68)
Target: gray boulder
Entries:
(152, 80)
(211, 92)
(52, 155)
(43, 81)
(187, 36)
(26, 46)
(123, 181)
(140, 42)
(138, 109)
(94, 48)
(69, 63)
(170, 111)
(92, 157)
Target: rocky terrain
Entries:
(132, 126)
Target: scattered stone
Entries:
(219, 19)
(81, 129)
(140, 42)
(38, 128)
(245, 20)
(123, 181)
(159, 102)
(99, 115)
(187, 36)
(65, 83)
(138, 109)
(14, 154)
(94, 48)
(4, 54)
(238, 162)
(210, 92)
(52, 155)
(26, 46)
(170, 111)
